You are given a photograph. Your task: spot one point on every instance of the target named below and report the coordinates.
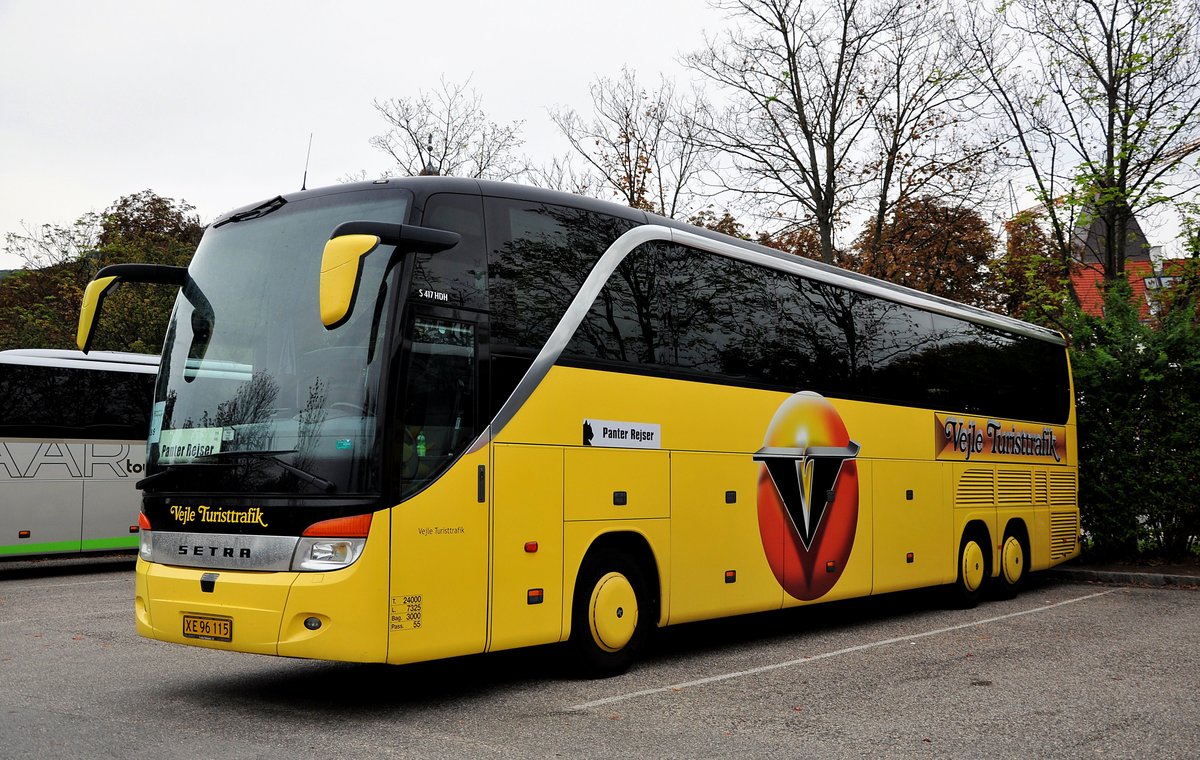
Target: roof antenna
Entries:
(304, 182)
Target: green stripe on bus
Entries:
(121, 542)
(47, 548)
(54, 547)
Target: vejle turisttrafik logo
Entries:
(807, 495)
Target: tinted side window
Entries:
(685, 313)
(539, 255)
(457, 277)
(689, 313)
(1047, 394)
(538, 258)
(896, 353)
(984, 371)
(74, 403)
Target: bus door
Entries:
(439, 568)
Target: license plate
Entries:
(208, 627)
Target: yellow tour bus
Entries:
(426, 417)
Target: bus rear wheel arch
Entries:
(612, 613)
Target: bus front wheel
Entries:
(609, 617)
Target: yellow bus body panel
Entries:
(254, 601)
(617, 484)
(717, 562)
(910, 522)
(439, 571)
(527, 546)
(912, 526)
(352, 605)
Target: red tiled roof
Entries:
(1087, 281)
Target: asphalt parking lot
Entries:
(1067, 669)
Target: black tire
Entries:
(1014, 565)
(972, 572)
(610, 616)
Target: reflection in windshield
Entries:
(249, 367)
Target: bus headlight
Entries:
(144, 542)
(317, 554)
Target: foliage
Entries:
(800, 240)
(1138, 390)
(726, 224)
(933, 247)
(40, 304)
(841, 107)
(1032, 279)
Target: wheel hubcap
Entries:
(1013, 560)
(614, 612)
(972, 566)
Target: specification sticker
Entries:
(406, 612)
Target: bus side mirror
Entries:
(93, 298)
(350, 243)
(107, 279)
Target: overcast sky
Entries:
(213, 101)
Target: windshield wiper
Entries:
(261, 209)
(316, 481)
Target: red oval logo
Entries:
(807, 495)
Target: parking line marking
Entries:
(824, 655)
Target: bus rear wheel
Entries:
(609, 616)
(1013, 566)
(972, 572)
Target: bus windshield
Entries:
(254, 394)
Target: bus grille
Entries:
(976, 487)
(1063, 489)
(1015, 487)
(1064, 532)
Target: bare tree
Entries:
(446, 131)
(805, 93)
(641, 145)
(926, 138)
(51, 245)
(846, 109)
(1102, 98)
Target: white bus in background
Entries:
(72, 446)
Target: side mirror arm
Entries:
(106, 280)
(350, 243)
